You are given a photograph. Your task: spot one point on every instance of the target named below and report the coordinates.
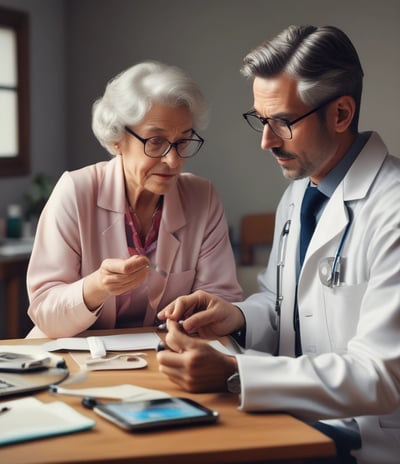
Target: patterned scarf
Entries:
(133, 228)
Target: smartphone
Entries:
(156, 414)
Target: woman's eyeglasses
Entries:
(157, 147)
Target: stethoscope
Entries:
(329, 268)
(279, 274)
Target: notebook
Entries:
(29, 419)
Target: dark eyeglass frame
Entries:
(282, 121)
(176, 144)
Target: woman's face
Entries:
(155, 175)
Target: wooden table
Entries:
(12, 270)
(238, 437)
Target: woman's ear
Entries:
(345, 108)
(117, 149)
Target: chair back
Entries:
(255, 230)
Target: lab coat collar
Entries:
(354, 186)
(363, 171)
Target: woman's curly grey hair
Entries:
(130, 95)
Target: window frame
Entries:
(19, 164)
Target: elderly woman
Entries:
(120, 239)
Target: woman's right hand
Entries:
(114, 277)
(205, 314)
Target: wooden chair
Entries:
(255, 230)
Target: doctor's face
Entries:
(313, 149)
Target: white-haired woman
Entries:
(120, 239)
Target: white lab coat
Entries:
(350, 334)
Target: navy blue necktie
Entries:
(312, 202)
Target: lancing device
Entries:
(89, 402)
(161, 346)
(163, 327)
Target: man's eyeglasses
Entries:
(157, 147)
(282, 128)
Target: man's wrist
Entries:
(240, 334)
(233, 383)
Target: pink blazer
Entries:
(83, 223)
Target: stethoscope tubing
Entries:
(336, 261)
(333, 281)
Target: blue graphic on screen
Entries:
(137, 413)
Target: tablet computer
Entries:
(155, 414)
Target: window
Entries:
(14, 93)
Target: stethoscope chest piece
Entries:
(325, 271)
(331, 271)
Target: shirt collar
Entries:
(329, 183)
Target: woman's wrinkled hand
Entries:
(114, 277)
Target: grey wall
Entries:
(209, 39)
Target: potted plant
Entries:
(36, 198)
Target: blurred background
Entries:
(76, 46)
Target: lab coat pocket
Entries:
(342, 309)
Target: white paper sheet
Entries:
(125, 392)
(29, 419)
(122, 342)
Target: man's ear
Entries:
(345, 108)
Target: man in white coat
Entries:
(322, 338)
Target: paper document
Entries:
(29, 419)
(122, 342)
(125, 392)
